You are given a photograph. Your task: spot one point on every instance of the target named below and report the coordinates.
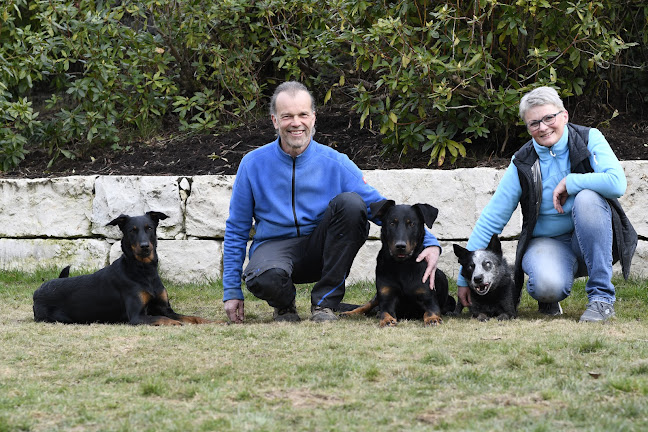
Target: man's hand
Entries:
(560, 195)
(235, 310)
(431, 255)
(463, 294)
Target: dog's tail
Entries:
(65, 272)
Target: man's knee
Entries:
(350, 211)
(351, 204)
(273, 285)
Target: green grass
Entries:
(533, 373)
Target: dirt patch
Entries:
(210, 154)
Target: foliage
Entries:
(431, 76)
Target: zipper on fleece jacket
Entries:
(293, 196)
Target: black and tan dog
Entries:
(400, 292)
(490, 281)
(127, 291)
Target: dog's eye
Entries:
(488, 265)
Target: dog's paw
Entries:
(432, 320)
(482, 317)
(388, 320)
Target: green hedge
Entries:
(432, 76)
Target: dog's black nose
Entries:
(478, 279)
(401, 246)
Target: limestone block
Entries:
(635, 200)
(208, 206)
(460, 195)
(134, 196)
(364, 264)
(29, 254)
(58, 207)
(185, 261)
(639, 267)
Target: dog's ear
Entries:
(428, 212)
(461, 253)
(494, 245)
(379, 208)
(156, 216)
(119, 220)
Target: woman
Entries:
(567, 180)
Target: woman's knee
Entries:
(548, 287)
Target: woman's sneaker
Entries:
(598, 311)
(551, 309)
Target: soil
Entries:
(210, 154)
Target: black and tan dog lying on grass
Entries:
(127, 291)
(400, 292)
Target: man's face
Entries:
(536, 119)
(294, 120)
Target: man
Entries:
(567, 180)
(309, 205)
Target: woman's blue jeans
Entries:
(552, 263)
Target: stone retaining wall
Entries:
(62, 221)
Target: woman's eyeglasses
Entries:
(548, 120)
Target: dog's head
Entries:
(482, 268)
(139, 240)
(403, 226)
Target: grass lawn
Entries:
(533, 373)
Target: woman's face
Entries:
(546, 123)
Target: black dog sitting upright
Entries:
(400, 291)
(490, 281)
(127, 291)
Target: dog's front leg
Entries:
(137, 311)
(387, 301)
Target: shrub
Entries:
(432, 76)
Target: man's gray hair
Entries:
(291, 87)
(538, 97)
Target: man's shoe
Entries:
(598, 311)
(287, 314)
(322, 314)
(550, 309)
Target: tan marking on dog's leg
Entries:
(145, 297)
(431, 319)
(189, 319)
(386, 320)
(164, 321)
(362, 309)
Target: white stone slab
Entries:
(58, 207)
(134, 196)
(635, 200)
(208, 206)
(29, 254)
(185, 261)
(460, 195)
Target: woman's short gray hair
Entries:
(540, 96)
(291, 87)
